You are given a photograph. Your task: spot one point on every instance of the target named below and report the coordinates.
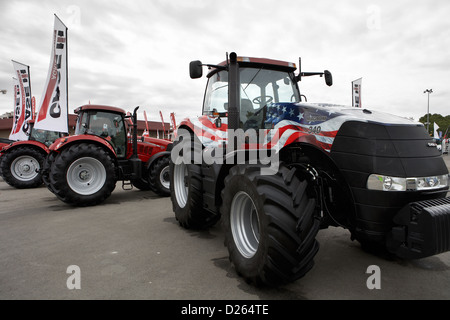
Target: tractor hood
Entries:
(316, 124)
(311, 114)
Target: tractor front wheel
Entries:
(21, 167)
(159, 178)
(83, 175)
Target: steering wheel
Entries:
(259, 99)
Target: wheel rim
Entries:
(86, 176)
(180, 179)
(25, 168)
(164, 177)
(244, 223)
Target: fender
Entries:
(32, 143)
(65, 142)
(205, 129)
(186, 124)
(5, 142)
(155, 157)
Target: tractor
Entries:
(21, 161)
(82, 170)
(275, 170)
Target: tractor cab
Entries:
(261, 83)
(258, 83)
(105, 122)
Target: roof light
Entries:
(243, 59)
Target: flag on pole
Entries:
(162, 120)
(356, 93)
(53, 111)
(33, 107)
(23, 105)
(436, 135)
(147, 131)
(174, 124)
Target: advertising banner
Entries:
(53, 110)
(22, 105)
(356, 93)
(436, 134)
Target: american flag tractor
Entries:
(276, 169)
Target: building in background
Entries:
(155, 127)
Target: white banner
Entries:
(356, 93)
(53, 111)
(164, 127)
(22, 104)
(436, 134)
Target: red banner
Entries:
(53, 111)
(146, 132)
(174, 124)
(162, 120)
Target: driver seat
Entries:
(247, 110)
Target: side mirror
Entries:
(328, 78)
(195, 69)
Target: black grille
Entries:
(439, 211)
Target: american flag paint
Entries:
(287, 123)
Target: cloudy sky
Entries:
(137, 52)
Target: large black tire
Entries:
(46, 170)
(186, 192)
(21, 167)
(83, 175)
(270, 224)
(158, 177)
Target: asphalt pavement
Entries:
(131, 247)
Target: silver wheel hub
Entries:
(25, 168)
(86, 176)
(181, 186)
(164, 177)
(244, 222)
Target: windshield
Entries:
(107, 125)
(44, 136)
(259, 87)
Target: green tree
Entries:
(442, 122)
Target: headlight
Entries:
(387, 183)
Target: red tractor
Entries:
(21, 161)
(82, 170)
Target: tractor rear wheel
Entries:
(270, 224)
(46, 170)
(21, 167)
(159, 178)
(83, 175)
(186, 191)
